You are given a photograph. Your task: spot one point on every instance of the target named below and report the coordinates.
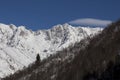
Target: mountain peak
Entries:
(66, 25)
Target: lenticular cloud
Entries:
(90, 22)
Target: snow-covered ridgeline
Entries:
(19, 46)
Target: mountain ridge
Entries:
(19, 46)
(96, 58)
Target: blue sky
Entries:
(43, 14)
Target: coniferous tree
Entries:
(38, 60)
(38, 57)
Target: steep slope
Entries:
(96, 57)
(93, 60)
(49, 68)
(19, 46)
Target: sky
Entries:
(43, 14)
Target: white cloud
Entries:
(90, 22)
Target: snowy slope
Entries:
(19, 46)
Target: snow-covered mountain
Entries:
(19, 46)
